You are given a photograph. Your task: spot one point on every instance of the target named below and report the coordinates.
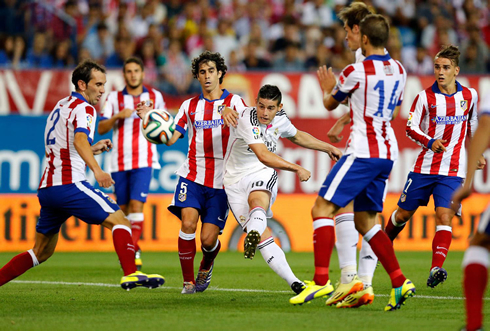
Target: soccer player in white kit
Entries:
(355, 286)
(133, 157)
(251, 181)
(441, 118)
(476, 257)
(375, 88)
(64, 190)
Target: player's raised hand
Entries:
(303, 174)
(438, 146)
(327, 79)
(125, 113)
(230, 117)
(143, 107)
(101, 146)
(103, 179)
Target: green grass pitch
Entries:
(79, 291)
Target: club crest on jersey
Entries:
(182, 197)
(463, 104)
(403, 198)
(242, 219)
(388, 70)
(219, 108)
(276, 131)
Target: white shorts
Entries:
(237, 193)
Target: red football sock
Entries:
(209, 256)
(323, 243)
(381, 245)
(474, 283)
(393, 231)
(16, 267)
(136, 229)
(187, 252)
(440, 247)
(123, 244)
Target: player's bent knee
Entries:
(116, 218)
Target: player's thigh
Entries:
(53, 214)
(116, 218)
(238, 201)
(121, 186)
(372, 197)
(139, 183)
(187, 194)
(264, 181)
(444, 190)
(91, 205)
(215, 209)
(417, 190)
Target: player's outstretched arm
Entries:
(101, 146)
(478, 144)
(275, 161)
(335, 131)
(306, 140)
(230, 117)
(106, 125)
(85, 151)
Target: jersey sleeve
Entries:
(473, 115)
(181, 118)
(108, 108)
(413, 129)
(485, 106)
(238, 104)
(348, 82)
(286, 127)
(248, 128)
(84, 121)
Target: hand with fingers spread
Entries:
(143, 107)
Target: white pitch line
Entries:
(213, 288)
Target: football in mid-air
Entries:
(158, 126)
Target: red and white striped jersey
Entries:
(375, 88)
(435, 115)
(63, 163)
(130, 148)
(208, 137)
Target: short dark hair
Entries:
(206, 57)
(83, 72)
(376, 28)
(450, 52)
(134, 59)
(354, 13)
(270, 92)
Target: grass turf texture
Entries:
(243, 294)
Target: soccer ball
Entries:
(158, 126)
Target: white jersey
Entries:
(208, 137)
(63, 163)
(375, 88)
(240, 160)
(435, 115)
(131, 150)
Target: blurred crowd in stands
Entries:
(276, 35)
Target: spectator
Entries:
(470, 62)
(152, 62)
(322, 57)
(234, 64)
(474, 41)
(38, 56)
(61, 55)
(177, 78)
(290, 61)
(422, 64)
(225, 40)
(122, 50)
(252, 60)
(12, 17)
(100, 44)
(317, 13)
(141, 22)
(12, 53)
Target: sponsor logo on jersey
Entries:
(182, 197)
(210, 124)
(449, 119)
(90, 119)
(463, 104)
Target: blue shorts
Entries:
(419, 188)
(360, 179)
(132, 185)
(211, 203)
(80, 199)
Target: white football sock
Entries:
(347, 238)
(367, 264)
(257, 220)
(276, 259)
